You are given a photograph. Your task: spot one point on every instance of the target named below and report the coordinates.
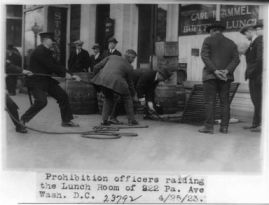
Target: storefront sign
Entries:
(235, 17)
(57, 23)
(194, 18)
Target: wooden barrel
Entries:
(82, 96)
(166, 96)
(181, 97)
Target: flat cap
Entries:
(247, 28)
(112, 39)
(78, 42)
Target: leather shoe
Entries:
(224, 130)
(21, 129)
(256, 129)
(249, 127)
(69, 124)
(206, 130)
(115, 121)
(105, 123)
(132, 122)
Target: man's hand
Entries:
(142, 101)
(150, 105)
(76, 78)
(221, 75)
(27, 72)
(68, 76)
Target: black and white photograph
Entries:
(135, 87)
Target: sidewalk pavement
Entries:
(163, 147)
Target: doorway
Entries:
(146, 33)
(102, 13)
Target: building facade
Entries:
(139, 26)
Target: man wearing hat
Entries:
(42, 65)
(220, 57)
(96, 57)
(79, 60)
(254, 59)
(112, 42)
(115, 78)
(145, 85)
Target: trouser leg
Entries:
(255, 88)
(224, 89)
(129, 107)
(12, 110)
(210, 90)
(40, 101)
(11, 84)
(60, 95)
(108, 103)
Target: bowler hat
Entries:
(78, 42)
(49, 35)
(96, 46)
(216, 25)
(112, 39)
(164, 73)
(247, 28)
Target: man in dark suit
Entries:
(79, 60)
(145, 85)
(11, 106)
(220, 57)
(14, 57)
(42, 64)
(114, 77)
(96, 57)
(112, 43)
(254, 59)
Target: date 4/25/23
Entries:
(120, 199)
(180, 199)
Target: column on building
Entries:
(172, 32)
(88, 25)
(126, 26)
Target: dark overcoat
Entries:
(219, 53)
(94, 61)
(79, 62)
(115, 72)
(107, 53)
(254, 58)
(42, 62)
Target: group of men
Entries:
(221, 57)
(116, 78)
(80, 60)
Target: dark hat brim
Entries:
(113, 40)
(48, 35)
(219, 26)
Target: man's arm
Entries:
(99, 66)
(256, 66)
(206, 56)
(47, 60)
(235, 60)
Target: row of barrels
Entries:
(85, 100)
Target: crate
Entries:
(166, 49)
